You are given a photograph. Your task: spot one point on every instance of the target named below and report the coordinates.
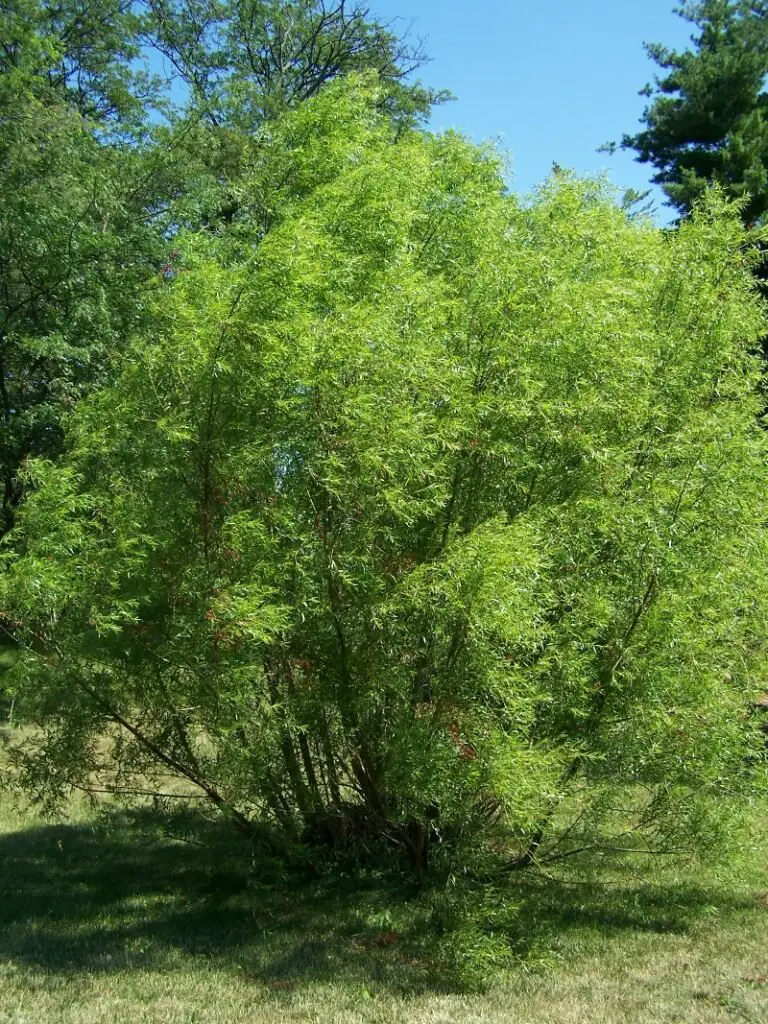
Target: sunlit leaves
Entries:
(430, 503)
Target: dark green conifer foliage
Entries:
(708, 119)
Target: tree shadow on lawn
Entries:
(115, 896)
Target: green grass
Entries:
(106, 920)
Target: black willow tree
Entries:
(426, 515)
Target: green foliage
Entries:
(246, 62)
(430, 515)
(237, 65)
(81, 54)
(707, 121)
(76, 245)
(99, 170)
(76, 253)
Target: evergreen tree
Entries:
(708, 119)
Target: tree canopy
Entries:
(708, 119)
(245, 62)
(103, 162)
(432, 514)
(76, 243)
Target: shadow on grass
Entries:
(117, 896)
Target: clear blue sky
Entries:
(553, 79)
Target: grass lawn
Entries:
(106, 920)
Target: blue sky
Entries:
(552, 79)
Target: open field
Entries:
(108, 920)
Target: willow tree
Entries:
(101, 162)
(434, 514)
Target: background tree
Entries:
(431, 515)
(238, 64)
(76, 242)
(708, 119)
(245, 62)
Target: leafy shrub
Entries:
(425, 514)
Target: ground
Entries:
(108, 920)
